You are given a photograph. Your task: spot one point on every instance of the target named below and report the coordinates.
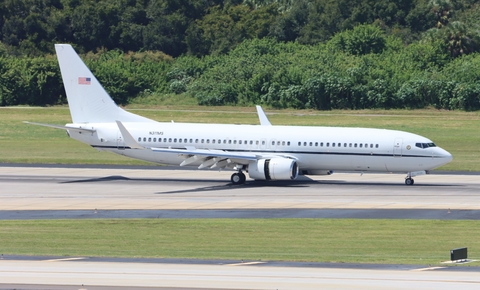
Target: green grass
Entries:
(318, 240)
(458, 132)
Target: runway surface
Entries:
(33, 192)
(37, 192)
(80, 273)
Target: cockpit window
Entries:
(425, 145)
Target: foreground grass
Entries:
(319, 240)
(457, 132)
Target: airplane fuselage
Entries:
(315, 148)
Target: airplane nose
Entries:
(444, 155)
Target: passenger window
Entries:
(251, 142)
(366, 145)
(321, 144)
(154, 139)
(170, 140)
(371, 145)
(229, 141)
(256, 142)
(203, 140)
(333, 144)
(344, 144)
(278, 143)
(288, 143)
(361, 145)
(175, 140)
(263, 142)
(376, 146)
(350, 145)
(191, 140)
(283, 143)
(339, 144)
(355, 145)
(240, 142)
(164, 139)
(139, 139)
(144, 139)
(245, 142)
(304, 143)
(299, 143)
(208, 141)
(328, 144)
(311, 144)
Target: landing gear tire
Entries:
(409, 181)
(238, 178)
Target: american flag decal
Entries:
(84, 81)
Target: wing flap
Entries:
(193, 155)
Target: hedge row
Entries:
(384, 74)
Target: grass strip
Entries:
(457, 132)
(318, 240)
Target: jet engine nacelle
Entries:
(273, 169)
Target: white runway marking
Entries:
(65, 259)
(429, 268)
(245, 264)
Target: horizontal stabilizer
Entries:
(77, 129)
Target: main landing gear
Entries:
(238, 178)
(409, 181)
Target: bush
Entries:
(362, 39)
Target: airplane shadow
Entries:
(302, 182)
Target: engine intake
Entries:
(273, 169)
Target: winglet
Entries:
(263, 118)
(127, 137)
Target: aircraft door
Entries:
(397, 147)
(120, 142)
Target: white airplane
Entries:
(265, 151)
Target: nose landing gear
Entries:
(409, 180)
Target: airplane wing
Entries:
(262, 117)
(81, 130)
(208, 158)
(128, 138)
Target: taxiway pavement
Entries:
(75, 273)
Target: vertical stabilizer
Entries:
(87, 99)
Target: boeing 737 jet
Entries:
(265, 151)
